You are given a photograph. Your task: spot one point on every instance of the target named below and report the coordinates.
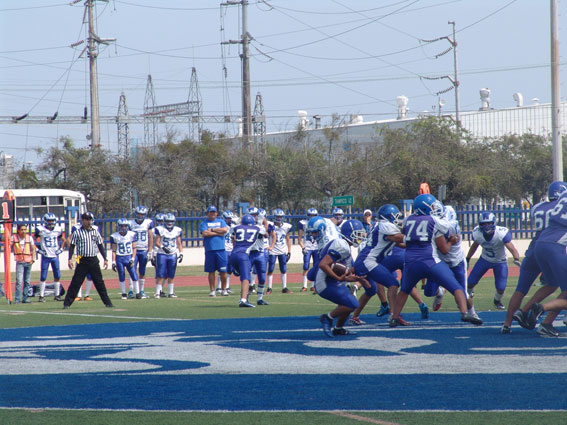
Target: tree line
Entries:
(184, 175)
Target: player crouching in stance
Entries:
(123, 245)
(329, 284)
(424, 236)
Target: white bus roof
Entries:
(43, 192)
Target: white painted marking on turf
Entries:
(108, 316)
(363, 418)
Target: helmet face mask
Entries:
(317, 227)
(141, 213)
(169, 221)
(487, 224)
(228, 216)
(278, 216)
(49, 221)
(423, 204)
(123, 226)
(338, 213)
(159, 219)
(390, 213)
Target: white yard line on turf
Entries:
(87, 315)
(363, 418)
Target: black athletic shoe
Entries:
(342, 331)
(522, 319)
(499, 305)
(471, 318)
(534, 313)
(548, 331)
(109, 305)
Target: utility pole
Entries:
(92, 52)
(556, 97)
(456, 78)
(245, 59)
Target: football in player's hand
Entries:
(339, 269)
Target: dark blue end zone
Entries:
(164, 366)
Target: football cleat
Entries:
(229, 291)
(225, 293)
(304, 289)
(342, 331)
(286, 291)
(327, 324)
(402, 322)
(437, 302)
(505, 329)
(385, 309)
(130, 294)
(424, 311)
(138, 296)
(471, 318)
(212, 294)
(534, 313)
(157, 296)
(161, 294)
(355, 321)
(252, 289)
(124, 297)
(219, 291)
(172, 296)
(78, 298)
(41, 299)
(521, 318)
(144, 296)
(58, 298)
(393, 322)
(262, 302)
(548, 331)
(268, 291)
(87, 298)
(245, 304)
(499, 305)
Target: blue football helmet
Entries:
(338, 213)
(169, 221)
(140, 212)
(123, 226)
(312, 212)
(317, 226)
(278, 215)
(228, 216)
(390, 213)
(49, 220)
(253, 211)
(486, 221)
(248, 220)
(353, 232)
(555, 190)
(159, 219)
(423, 204)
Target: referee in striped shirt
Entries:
(88, 243)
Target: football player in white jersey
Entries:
(338, 217)
(89, 280)
(49, 236)
(280, 249)
(123, 243)
(142, 226)
(259, 250)
(493, 239)
(308, 246)
(158, 221)
(168, 242)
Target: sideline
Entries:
(363, 418)
(89, 315)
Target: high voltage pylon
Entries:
(122, 123)
(195, 107)
(150, 121)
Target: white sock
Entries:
(142, 283)
(42, 289)
(242, 300)
(305, 281)
(284, 280)
(80, 293)
(219, 284)
(498, 296)
(252, 279)
(131, 286)
(227, 281)
(158, 288)
(170, 288)
(471, 310)
(123, 287)
(136, 287)
(270, 280)
(88, 287)
(440, 292)
(57, 287)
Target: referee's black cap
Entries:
(87, 216)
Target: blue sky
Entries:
(322, 56)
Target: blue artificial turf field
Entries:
(282, 364)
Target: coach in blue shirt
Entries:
(213, 230)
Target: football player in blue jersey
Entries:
(329, 285)
(244, 237)
(424, 238)
(308, 246)
(280, 249)
(123, 243)
(49, 235)
(143, 227)
(493, 240)
(530, 270)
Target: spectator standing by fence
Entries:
(24, 254)
(213, 230)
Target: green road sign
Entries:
(343, 200)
